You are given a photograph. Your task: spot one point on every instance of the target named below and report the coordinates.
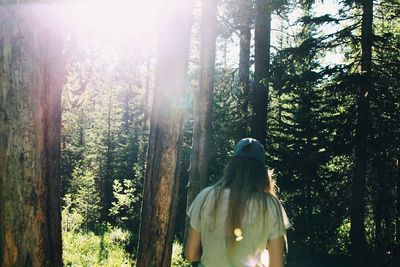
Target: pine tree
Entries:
(161, 181)
(202, 110)
(87, 199)
(30, 122)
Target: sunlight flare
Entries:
(118, 15)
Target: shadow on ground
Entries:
(317, 260)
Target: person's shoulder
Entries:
(276, 208)
(204, 193)
(206, 190)
(272, 201)
(270, 197)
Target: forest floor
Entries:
(89, 249)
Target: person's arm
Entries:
(275, 251)
(193, 246)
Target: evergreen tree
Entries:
(87, 199)
(302, 138)
(30, 122)
(161, 183)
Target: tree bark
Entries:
(244, 64)
(161, 180)
(31, 76)
(398, 200)
(146, 106)
(378, 201)
(203, 98)
(262, 38)
(357, 229)
(107, 175)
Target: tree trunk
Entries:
(378, 202)
(30, 121)
(106, 179)
(357, 230)
(244, 64)
(398, 201)
(146, 105)
(262, 38)
(161, 180)
(203, 97)
(146, 115)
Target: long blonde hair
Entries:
(247, 179)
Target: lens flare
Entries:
(238, 233)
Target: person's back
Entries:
(249, 241)
(233, 222)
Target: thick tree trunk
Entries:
(161, 180)
(30, 120)
(203, 97)
(357, 230)
(262, 38)
(244, 64)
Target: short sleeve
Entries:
(278, 219)
(194, 211)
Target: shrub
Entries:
(177, 259)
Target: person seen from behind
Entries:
(233, 222)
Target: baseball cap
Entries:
(250, 148)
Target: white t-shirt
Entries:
(255, 233)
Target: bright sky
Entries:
(329, 7)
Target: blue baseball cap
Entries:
(250, 148)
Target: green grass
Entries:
(107, 250)
(88, 249)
